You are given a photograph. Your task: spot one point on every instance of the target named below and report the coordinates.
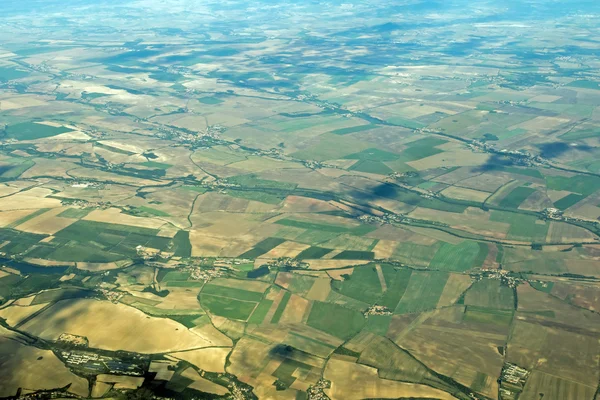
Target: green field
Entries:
(262, 247)
(355, 255)
(582, 184)
(483, 315)
(99, 242)
(568, 201)
(522, 227)
(516, 197)
(260, 312)
(174, 276)
(75, 213)
(353, 129)
(281, 307)
(464, 256)
(262, 197)
(397, 281)
(416, 254)
(336, 320)
(8, 74)
(227, 307)
(358, 230)
(313, 252)
(181, 242)
(32, 131)
(156, 165)
(490, 293)
(372, 167)
(27, 218)
(233, 293)
(362, 285)
(423, 292)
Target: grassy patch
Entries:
(27, 218)
(156, 165)
(262, 247)
(582, 184)
(313, 253)
(522, 227)
(378, 324)
(516, 197)
(353, 129)
(372, 167)
(460, 257)
(568, 201)
(32, 131)
(355, 255)
(373, 154)
(260, 312)
(75, 213)
(251, 181)
(336, 320)
(488, 316)
(232, 293)
(362, 285)
(397, 282)
(281, 307)
(545, 287)
(423, 292)
(490, 293)
(227, 307)
(8, 74)
(259, 196)
(181, 241)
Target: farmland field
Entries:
(300, 200)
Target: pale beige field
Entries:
(211, 359)
(34, 369)
(8, 217)
(113, 327)
(465, 194)
(17, 313)
(286, 249)
(350, 381)
(319, 290)
(253, 286)
(455, 286)
(47, 223)
(202, 384)
(115, 216)
(35, 198)
(295, 310)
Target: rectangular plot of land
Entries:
(319, 290)
(423, 292)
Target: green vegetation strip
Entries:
(281, 308)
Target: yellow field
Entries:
(180, 299)
(34, 369)
(30, 199)
(351, 381)
(465, 194)
(209, 359)
(17, 313)
(113, 327)
(455, 286)
(203, 385)
(115, 216)
(251, 285)
(554, 387)
(295, 310)
(319, 290)
(48, 223)
(286, 249)
(121, 381)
